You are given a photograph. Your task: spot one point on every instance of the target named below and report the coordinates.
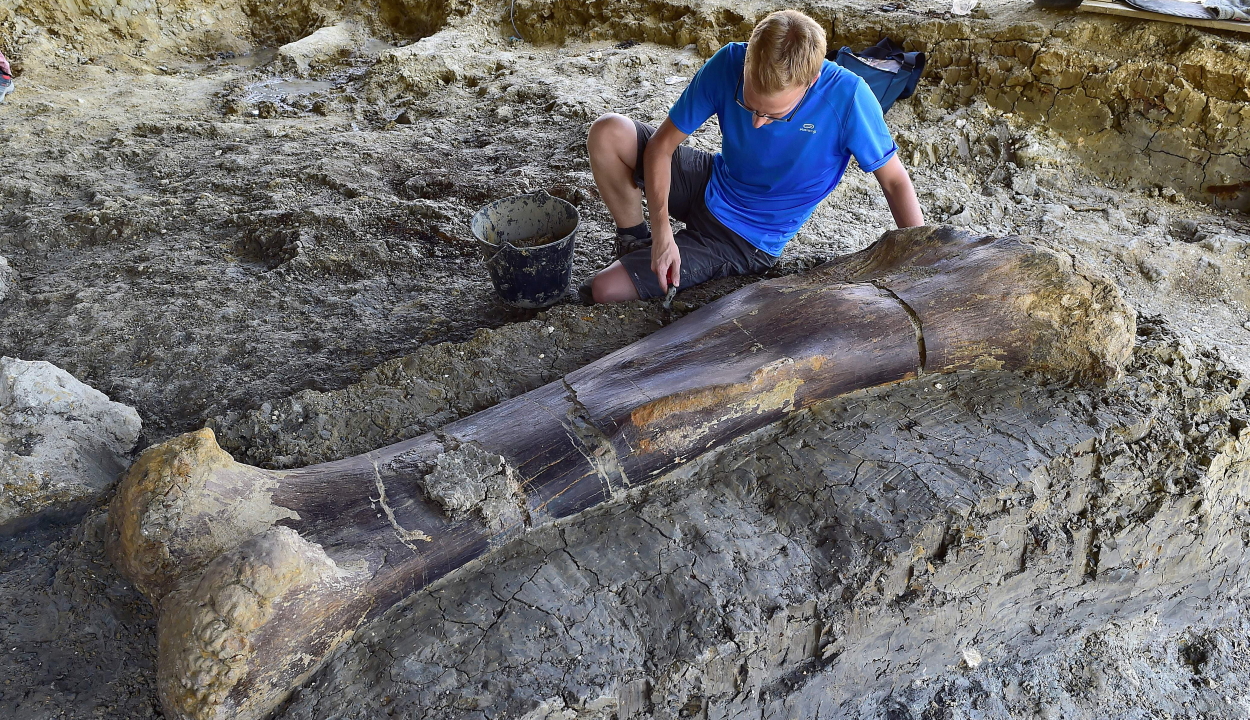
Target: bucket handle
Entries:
(540, 194)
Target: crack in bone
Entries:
(755, 344)
(405, 536)
(594, 445)
(915, 323)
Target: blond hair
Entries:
(786, 51)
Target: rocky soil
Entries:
(255, 216)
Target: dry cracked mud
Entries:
(275, 243)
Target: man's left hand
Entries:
(899, 193)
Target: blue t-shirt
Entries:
(767, 181)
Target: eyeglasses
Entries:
(738, 92)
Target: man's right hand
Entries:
(657, 175)
(665, 257)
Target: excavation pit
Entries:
(244, 270)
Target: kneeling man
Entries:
(790, 122)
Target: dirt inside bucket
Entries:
(536, 241)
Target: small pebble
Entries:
(971, 657)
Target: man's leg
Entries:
(6, 77)
(709, 251)
(613, 284)
(613, 149)
(615, 145)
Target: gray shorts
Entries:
(709, 250)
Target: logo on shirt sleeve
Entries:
(808, 127)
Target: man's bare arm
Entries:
(657, 165)
(899, 193)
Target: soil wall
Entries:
(151, 31)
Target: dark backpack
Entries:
(891, 74)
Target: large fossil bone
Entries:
(259, 574)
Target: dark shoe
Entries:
(623, 244)
(585, 294)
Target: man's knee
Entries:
(612, 131)
(612, 285)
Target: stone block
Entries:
(325, 45)
(62, 443)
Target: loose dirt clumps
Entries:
(440, 383)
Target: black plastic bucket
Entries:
(528, 275)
